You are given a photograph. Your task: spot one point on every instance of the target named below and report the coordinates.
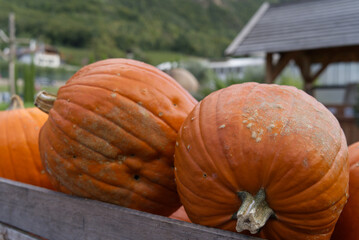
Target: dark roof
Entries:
(300, 25)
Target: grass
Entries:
(80, 56)
(4, 106)
(76, 56)
(157, 57)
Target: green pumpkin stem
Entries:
(254, 212)
(16, 103)
(45, 101)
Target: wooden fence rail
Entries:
(56, 216)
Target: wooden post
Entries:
(12, 55)
(269, 68)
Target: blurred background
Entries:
(205, 45)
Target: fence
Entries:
(32, 213)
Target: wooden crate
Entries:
(26, 209)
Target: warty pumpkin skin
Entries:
(111, 133)
(275, 142)
(19, 150)
(347, 226)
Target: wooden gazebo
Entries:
(308, 32)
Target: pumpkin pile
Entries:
(254, 158)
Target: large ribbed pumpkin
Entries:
(263, 158)
(19, 150)
(348, 224)
(111, 134)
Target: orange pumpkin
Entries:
(263, 158)
(180, 214)
(348, 224)
(111, 133)
(19, 149)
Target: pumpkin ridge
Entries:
(103, 155)
(136, 66)
(83, 144)
(137, 80)
(254, 86)
(319, 181)
(295, 226)
(102, 181)
(109, 90)
(132, 170)
(222, 147)
(8, 148)
(223, 179)
(53, 169)
(64, 183)
(27, 142)
(162, 76)
(197, 165)
(110, 122)
(197, 195)
(277, 154)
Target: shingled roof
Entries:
(300, 25)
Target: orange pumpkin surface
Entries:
(111, 133)
(264, 158)
(19, 150)
(348, 224)
(180, 214)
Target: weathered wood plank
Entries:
(57, 216)
(10, 233)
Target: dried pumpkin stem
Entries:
(254, 212)
(45, 101)
(16, 103)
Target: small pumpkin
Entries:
(180, 214)
(263, 158)
(111, 133)
(19, 150)
(347, 226)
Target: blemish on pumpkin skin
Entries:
(270, 127)
(144, 91)
(139, 103)
(193, 118)
(160, 114)
(222, 126)
(249, 125)
(188, 147)
(305, 163)
(204, 175)
(254, 135)
(113, 95)
(244, 121)
(176, 144)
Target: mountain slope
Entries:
(196, 27)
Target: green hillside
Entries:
(110, 28)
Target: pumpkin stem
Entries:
(16, 103)
(254, 212)
(45, 101)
